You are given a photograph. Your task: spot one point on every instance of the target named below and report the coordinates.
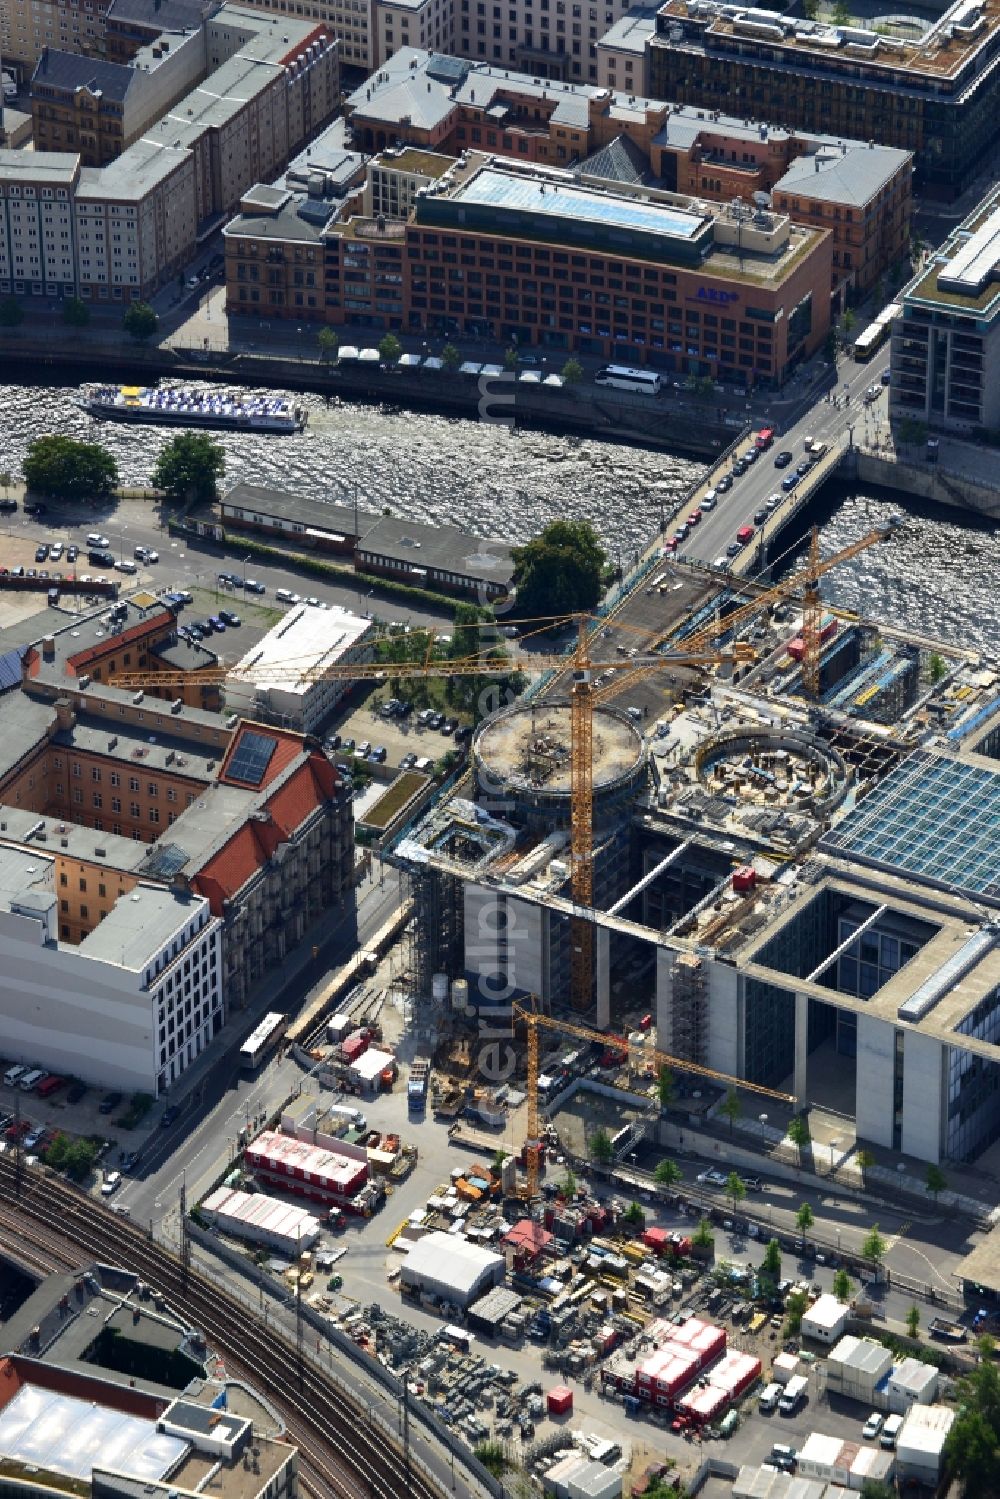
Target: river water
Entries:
(937, 577)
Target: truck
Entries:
(947, 1331)
(416, 1087)
(795, 1393)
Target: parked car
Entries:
(229, 618)
(112, 1181)
(725, 483)
(78, 1091)
(217, 624)
(55, 551)
(170, 1114)
(109, 1103)
(72, 552)
(125, 565)
(871, 1428)
(41, 552)
(789, 482)
(128, 1159)
(252, 586)
(35, 507)
(95, 539)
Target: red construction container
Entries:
(744, 879)
(657, 1239)
(701, 1339)
(560, 1401)
(354, 1047)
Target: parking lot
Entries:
(363, 723)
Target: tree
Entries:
(450, 357)
(830, 346)
(6, 480)
(865, 1161)
(703, 1237)
(798, 1133)
(795, 1307)
(69, 470)
(75, 314)
(935, 1180)
(140, 321)
(804, 1219)
(559, 572)
(972, 1450)
(568, 1184)
(810, 9)
(499, 1156)
(11, 313)
(328, 344)
(913, 1321)
(771, 1265)
(189, 467)
(390, 350)
(572, 372)
(936, 666)
(735, 1190)
(730, 1108)
(510, 359)
(874, 1246)
(843, 1286)
(667, 1174)
(665, 1087)
(841, 14)
(874, 1488)
(634, 1215)
(601, 1149)
(80, 1158)
(848, 320)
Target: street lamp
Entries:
(245, 561)
(762, 1118)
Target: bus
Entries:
(261, 1041)
(646, 382)
(875, 335)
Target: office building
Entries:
(935, 94)
(281, 679)
(860, 191)
(843, 949)
(125, 791)
(553, 263)
(946, 342)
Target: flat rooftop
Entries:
(964, 275)
(139, 924)
(305, 641)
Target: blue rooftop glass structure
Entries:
(534, 195)
(934, 819)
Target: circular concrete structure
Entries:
(523, 756)
(776, 767)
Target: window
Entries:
(98, 800)
(154, 790)
(116, 779)
(134, 809)
(95, 774)
(116, 804)
(133, 783)
(84, 913)
(154, 814)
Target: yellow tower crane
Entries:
(582, 702)
(637, 1055)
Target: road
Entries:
(204, 1139)
(826, 421)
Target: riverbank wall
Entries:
(938, 483)
(586, 410)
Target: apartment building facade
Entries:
(27, 27)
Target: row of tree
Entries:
(187, 470)
(140, 320)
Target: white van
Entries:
(13, 1075)
(768, 1399)
(32, 1079)
(890, 1432)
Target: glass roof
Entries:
(534, 195)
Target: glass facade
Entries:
(974, 1085)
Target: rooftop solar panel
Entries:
(251, 757)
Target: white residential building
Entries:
(131, 1006)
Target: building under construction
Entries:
(797, 888)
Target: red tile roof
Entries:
(255, 841)
(146, 629)
(287, 747)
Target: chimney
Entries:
(65, 716)
(817, 164)
(49, 648)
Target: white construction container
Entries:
(825, 1320)
(337, 1027)
(785, 1366)
(856, 1366)
(921, 1442)
(912, 1382)
(262, 1220)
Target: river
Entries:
(937, 577)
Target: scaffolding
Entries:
(437, 934)
(687, 1015)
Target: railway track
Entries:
(338, 1458)
(37, 1250)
